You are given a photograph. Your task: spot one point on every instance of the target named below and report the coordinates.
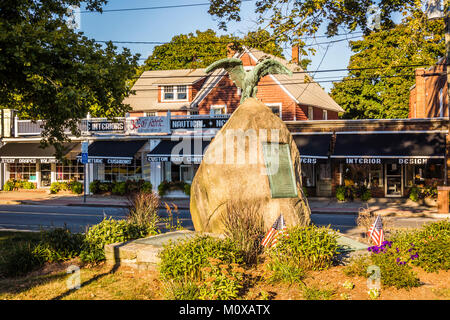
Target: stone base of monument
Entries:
(142, 253)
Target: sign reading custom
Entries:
(148, 125)
(206, 123)
(106, 126)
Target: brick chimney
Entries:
(420, 105)
(230, 51)
(295, 55)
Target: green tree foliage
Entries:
(199, 50)
(49, 71)
(290, 20)
(378, 83)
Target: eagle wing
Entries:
(234, 68)
(269, 66)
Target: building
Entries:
(428, 96)
(189, 92)
(176, 113)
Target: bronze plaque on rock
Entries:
(277, 158)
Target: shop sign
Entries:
(413, 161)
(8, 160)
(308, 160)
(48, 160)
(118, 161)
(148, 125)
(363, 161)
(206, 123)
(106, 126)
(157, 159)
(27, 160)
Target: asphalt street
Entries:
(37, 217)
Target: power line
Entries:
(156, 7)
(295, 72)
(303, 82)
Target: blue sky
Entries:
(163, 24)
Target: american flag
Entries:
(376, 232)
(277, 229)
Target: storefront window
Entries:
(72, 170)
(423, 174)
(123, 172)
(308, 175)
(369, 175)
(22, 171)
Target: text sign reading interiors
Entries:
(106, 126)
(277, 158)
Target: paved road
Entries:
(35, 218)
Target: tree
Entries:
(381, 70)
(199, 50)
(48, 71)
(290, 20)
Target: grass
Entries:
(97, 283)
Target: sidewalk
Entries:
(382, 206)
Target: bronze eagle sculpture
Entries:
(248, 80)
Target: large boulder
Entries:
(237, 171)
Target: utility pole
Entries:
(447, 60)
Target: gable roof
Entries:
(146, 88)
(311, 93)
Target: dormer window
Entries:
(174, 93)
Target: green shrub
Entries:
(105, 186)
(340, 193)
(213, 265)
(28, 185)
(76, 187)
(309, 247)
(119, 188)
(431, 242)
(20, 259)
(166, 186)
(55, 187)
(94, 187)
(283, 269)
(106, 232)
(60, 244)
(184, 290)
(357, 266)
(9, 185)
(186, 259)
(417, 193)
(414, 194)
(187, 189)
(314, 293)
(394, 266)
(146, 187)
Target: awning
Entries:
(114, 152)
(400, 147)
(180, 151)
(31, 152)
(313, 147)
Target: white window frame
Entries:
(310, 113)
(324, 115)
(277, 104)
(175, 93)
(218, 106)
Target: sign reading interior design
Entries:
(106, 126)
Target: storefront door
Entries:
(394, 180)
(46, 174)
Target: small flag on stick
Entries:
(278, 228)
(376, 232)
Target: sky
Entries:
(162, 24)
